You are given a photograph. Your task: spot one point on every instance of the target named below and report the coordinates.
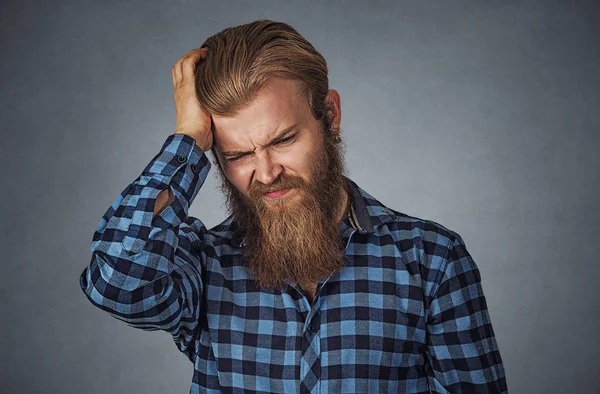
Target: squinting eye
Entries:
(285, 140)
(235, 158)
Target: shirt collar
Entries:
(366, 212)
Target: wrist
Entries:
(199, 140)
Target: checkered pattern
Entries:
(406, 313)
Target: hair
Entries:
(242, 59)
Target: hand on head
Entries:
(191, 119)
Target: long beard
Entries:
(296, 242)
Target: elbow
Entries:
(100, 283)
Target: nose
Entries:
(266, 170)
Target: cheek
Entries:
(239, 176)
(299, 163)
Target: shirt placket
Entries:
(310, 367)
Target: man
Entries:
(311, 284)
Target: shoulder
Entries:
(225, 232)
(426, 247)
(426, 234)
(222, 234)
(408, 230)
(424, 242)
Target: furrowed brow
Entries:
(273, 140)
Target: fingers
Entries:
(185, 67)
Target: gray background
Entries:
(482, 116)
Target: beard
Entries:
(293, 241)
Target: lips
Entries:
(277, 193)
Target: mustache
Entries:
(259, 189)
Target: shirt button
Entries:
(311, 328)
(181, 159)
(194, 168)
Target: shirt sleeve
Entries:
(144, 271)
(461, 345)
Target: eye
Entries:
(234, 158)
(286, 140)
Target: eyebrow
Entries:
(273, 140)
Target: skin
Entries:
(251, 148)
(249, 145)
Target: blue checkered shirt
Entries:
(405, 314)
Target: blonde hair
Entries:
(241, 59)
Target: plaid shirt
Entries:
(406, 312)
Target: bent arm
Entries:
(144, 270)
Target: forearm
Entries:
(134, 273)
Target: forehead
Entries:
(278, 105)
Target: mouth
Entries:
(277, 194)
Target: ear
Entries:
(216, 159)
(213, 148)
(335, 114)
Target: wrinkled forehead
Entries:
(277, 106)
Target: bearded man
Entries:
(311, 284)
